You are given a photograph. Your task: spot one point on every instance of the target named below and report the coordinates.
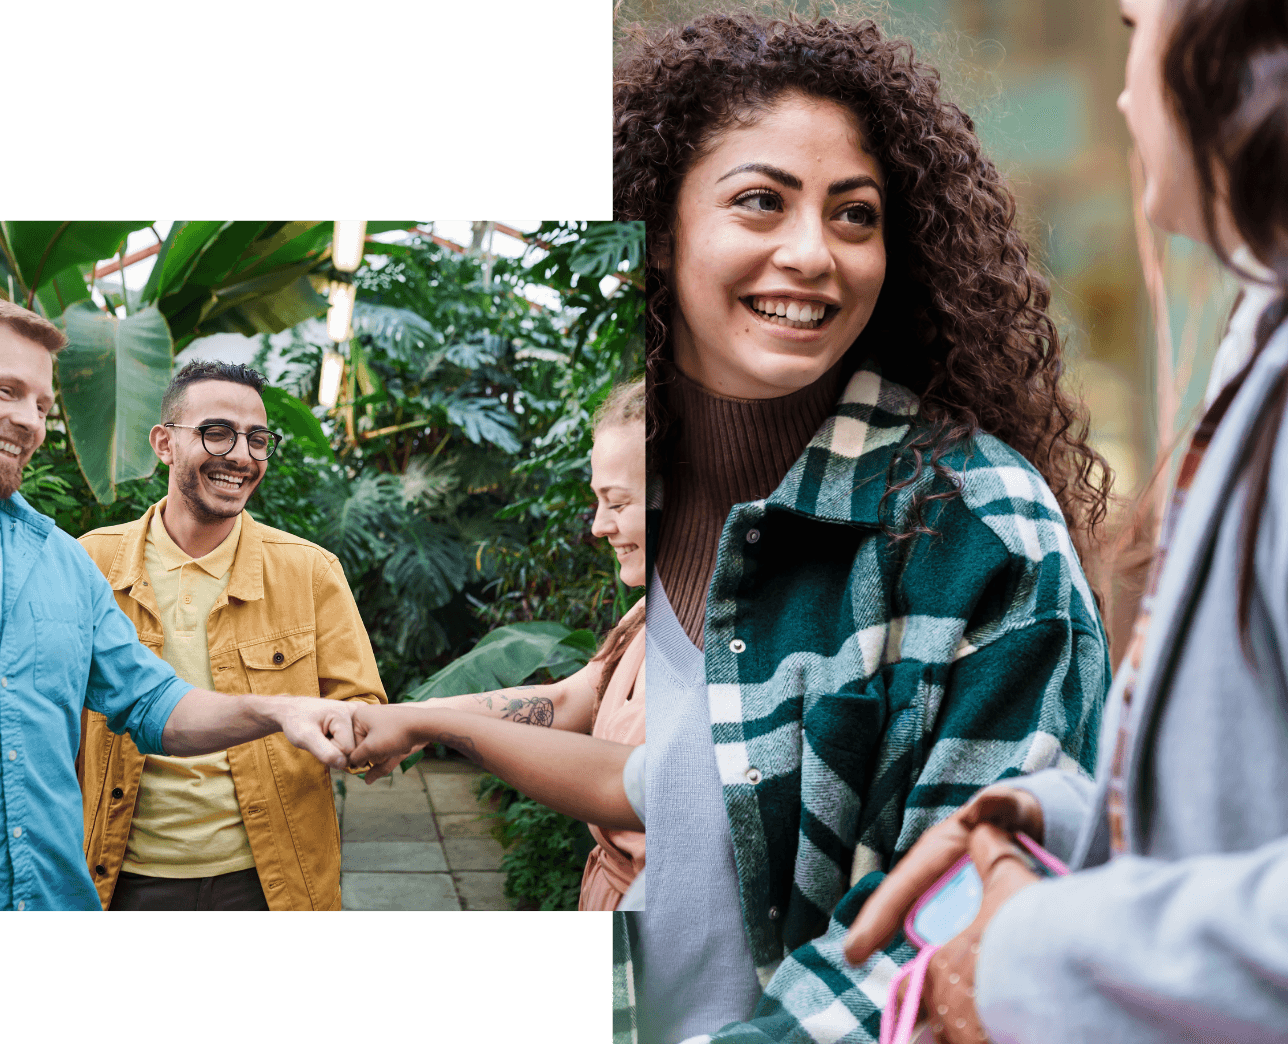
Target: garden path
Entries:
(416, 841)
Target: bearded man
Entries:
(231, 605)
(65, 646)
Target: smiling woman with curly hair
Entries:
(867, 487)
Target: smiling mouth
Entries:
(221, 480)
(10, 449)
(625, 549)
(791, 313)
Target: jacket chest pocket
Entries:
(61, 666)
(286, 665)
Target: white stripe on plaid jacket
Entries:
(862, 689)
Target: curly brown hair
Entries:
(959, 291)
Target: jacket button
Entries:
(278, 657)
(117, 792)
(753, 535)
(737, 646)
(100, 869)
(773, 913)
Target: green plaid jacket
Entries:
(862, 689)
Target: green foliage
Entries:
(452, 480)
(246, 277)
(545, 850)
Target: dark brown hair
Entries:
(176, 394)
(1225, 70)
(36, 328)
(961, 318)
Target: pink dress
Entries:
(619, 856)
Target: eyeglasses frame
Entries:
(203, 428)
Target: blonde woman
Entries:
(596, 781)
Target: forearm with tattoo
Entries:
(528, 710)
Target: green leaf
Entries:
(64, 289)
(485, 420)
(604, 246)
(112, 377)
(286, 411)
(179, 252)
(501, 659)
(232, 247)
(264, 311)
(43, 249)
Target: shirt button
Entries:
(117, 792)
(4, 683)
(753, 535)
(22, 904)
(100, 869)
(753, 775)
(17, 831)
(187, 599)
(737, 645)
(773, 913)
(13, 755)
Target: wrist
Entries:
(264, 711)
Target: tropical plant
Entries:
(246, 277)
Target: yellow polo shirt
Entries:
(187, 822)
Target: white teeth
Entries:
(798, 315)
(227, 481)
(12, 448)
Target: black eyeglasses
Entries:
(219, 439)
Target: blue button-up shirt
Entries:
(64, 646)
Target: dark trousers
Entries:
(239, 890)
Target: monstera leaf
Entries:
(111, 377)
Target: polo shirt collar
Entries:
(216, 563)
(246, 582)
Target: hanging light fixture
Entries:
(332, 372)
(346, 245)
(339, 316)
(346, 255)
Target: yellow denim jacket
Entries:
(287, 624)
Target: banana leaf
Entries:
(111, 378)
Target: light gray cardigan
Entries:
(1186, 938)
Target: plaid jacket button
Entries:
(753, 775)
(753, 535)
(737, 645)
(773, 913)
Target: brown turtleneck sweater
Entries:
(729, 451)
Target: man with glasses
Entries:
(233, 606)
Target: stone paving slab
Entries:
(463, 825)
(379, 825)
(394, 857)
(418, 841)
(454, 792)
(482, 890)
(472, 853)
(388, 891)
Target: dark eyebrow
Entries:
(791, 181)
(861, 181)
(781, 176)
